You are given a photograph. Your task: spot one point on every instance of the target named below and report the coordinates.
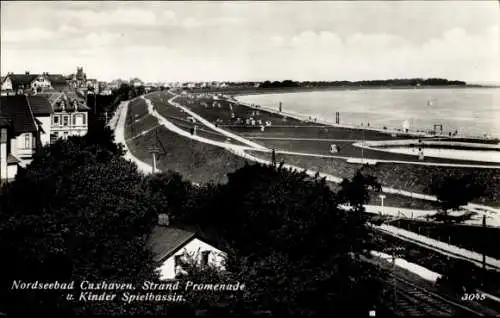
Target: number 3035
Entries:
(476, 296)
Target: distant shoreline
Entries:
(283, 90)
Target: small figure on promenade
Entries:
(334, 148)
(420, 154)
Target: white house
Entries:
(174, 247)
(6, 84)
(8, 163)
(70, 118)
(35, 82)
(19, 135)
(135, 82)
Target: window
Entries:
(204, 258)
(27, 141)
(74, 120)
(84, 119)
(55, 119)
(65, 120)
(180, 266)
(53, 138)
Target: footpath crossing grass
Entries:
(137, 108)
(179, 118)
(137, 119)
(196, 161)
(213, 110)
(474, 238)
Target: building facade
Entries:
(19, 135)
(79, 79)
(8, 163)
(35, 83)
(69, 118)
(177, 249)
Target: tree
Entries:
(169, 193)
(356, 192)
(454, 192)
(78, 212)
(292, 246)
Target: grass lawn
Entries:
(209, 109)
(347, 149)
(317, 131)
(142, 124)
(179, 118)
(138, 108)
(415, 178)
(137, 119)
(196, 161)
(474, 238)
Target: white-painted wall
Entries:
(11, 171)
(18, 149)
(3, 153)
(195, 247)
(80, 127)
(7, 84)
(41, 82)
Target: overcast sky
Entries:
(233, 41)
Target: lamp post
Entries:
(382, 197)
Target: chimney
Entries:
(163, 220)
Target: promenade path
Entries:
(118, 122)
(481, 209)
(374, 161)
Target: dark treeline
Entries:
(390, 82)
(102, 107)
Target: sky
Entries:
(254, 41)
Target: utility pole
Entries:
(362, 147)
(382, 197)
(153, 150)
(484, 254)
(273, 157)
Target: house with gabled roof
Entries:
(69, 118)
(19, 134)
(42, 111)
(19, 83)
(173, 248)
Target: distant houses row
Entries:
(15, 84)
(28, 122)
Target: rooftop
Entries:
(40, 105)
(17, 109)
(166, 240)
